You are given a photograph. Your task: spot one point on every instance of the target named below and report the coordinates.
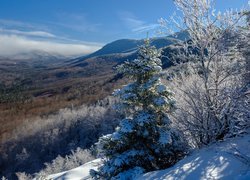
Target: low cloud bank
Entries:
(15, 44)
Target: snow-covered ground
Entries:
(222, 160)
(81, 172)
(225, 160)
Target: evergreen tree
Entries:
(144, 140)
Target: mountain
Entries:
(48, 83)
(127, 48)
(40, 73)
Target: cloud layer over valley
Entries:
(12, 44)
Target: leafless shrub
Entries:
(208, 78)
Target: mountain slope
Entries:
(224, 160)
(129, 46)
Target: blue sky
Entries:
(83, 25)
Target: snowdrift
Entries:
(223, 160)
(81, 172)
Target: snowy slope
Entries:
(81, 172)
(224, 160)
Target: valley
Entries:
(31, 88)
(124, 90)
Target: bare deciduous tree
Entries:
(209, 86)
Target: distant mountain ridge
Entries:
(128, 47)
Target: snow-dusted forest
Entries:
(162, 120)
(208, 100)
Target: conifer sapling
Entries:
(144, 140)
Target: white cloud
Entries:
(135, 24)
(27, 33)
(15, 44)
(147, 27)
(13, 24)
(24, 37)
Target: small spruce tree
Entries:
(144, 140)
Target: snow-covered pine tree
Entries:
(144, 140)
